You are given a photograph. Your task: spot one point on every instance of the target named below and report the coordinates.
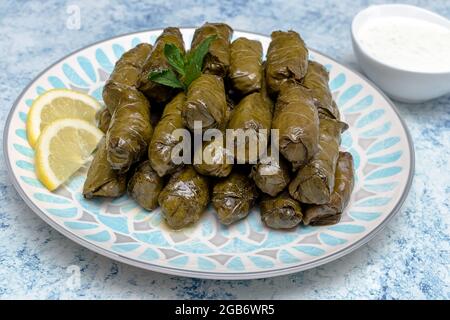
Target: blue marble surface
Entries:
(409, 259)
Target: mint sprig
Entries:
(168, 78)
(184, 68)
(175, 58)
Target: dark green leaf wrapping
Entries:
(163, 140)
(316, 79)
(217, 61)
(330, 213)
(130, 131)
(145, 185)
(206, 102)
(315, 181)
(157, 62)
(271, 177)
(101, 179)
(252, 112)
(185, 197)
(126, 74)
(246, 65)
(297, 120)
(103, 118)
(233, 197)
(280, 212)
(214, 159)
(287, 59)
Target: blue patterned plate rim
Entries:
(205, 274)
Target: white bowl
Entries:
(399, 84)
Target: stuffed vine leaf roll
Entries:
(145, 185)
(233, 197)
(217, 61)
(206, 102)
(130, 130)
(330, 213)
(184, 198)
(163, 140)
(314, 182)
(254, 114)
(216, 159)
(316, 79)
(280, 212)
(126, 74)
(103, 118)
(287, 59)
(271, 176)
(297, 121)
(157, 62)
(246, 65)
(101, 179)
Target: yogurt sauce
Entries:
(407, 43)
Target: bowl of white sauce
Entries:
(405, 50)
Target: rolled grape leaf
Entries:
(314, 182)
(217, 61)
(145, 185)
(271, 176)
(101, 179)
(280, 212)
(316, 80)
(330, 213)
(246, 65)
(163, 140)
(297, 121)
(157, 62)
(206, 102)
(252, 113)
(184, 199)
(216, 159)
(233, 197)
(130, 131)
(287, 59)
(126, 74)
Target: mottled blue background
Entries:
(408, 259)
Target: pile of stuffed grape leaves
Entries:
(217, 126)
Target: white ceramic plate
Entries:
(377, 138)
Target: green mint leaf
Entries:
(167, 78)
(198, 54)
(192, 73)
(194, 63)
(175, 58)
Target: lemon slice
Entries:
(59, 104)
(63, 147)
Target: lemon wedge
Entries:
(63, 147)
(59, 104)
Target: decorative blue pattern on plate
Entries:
(122, 230)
